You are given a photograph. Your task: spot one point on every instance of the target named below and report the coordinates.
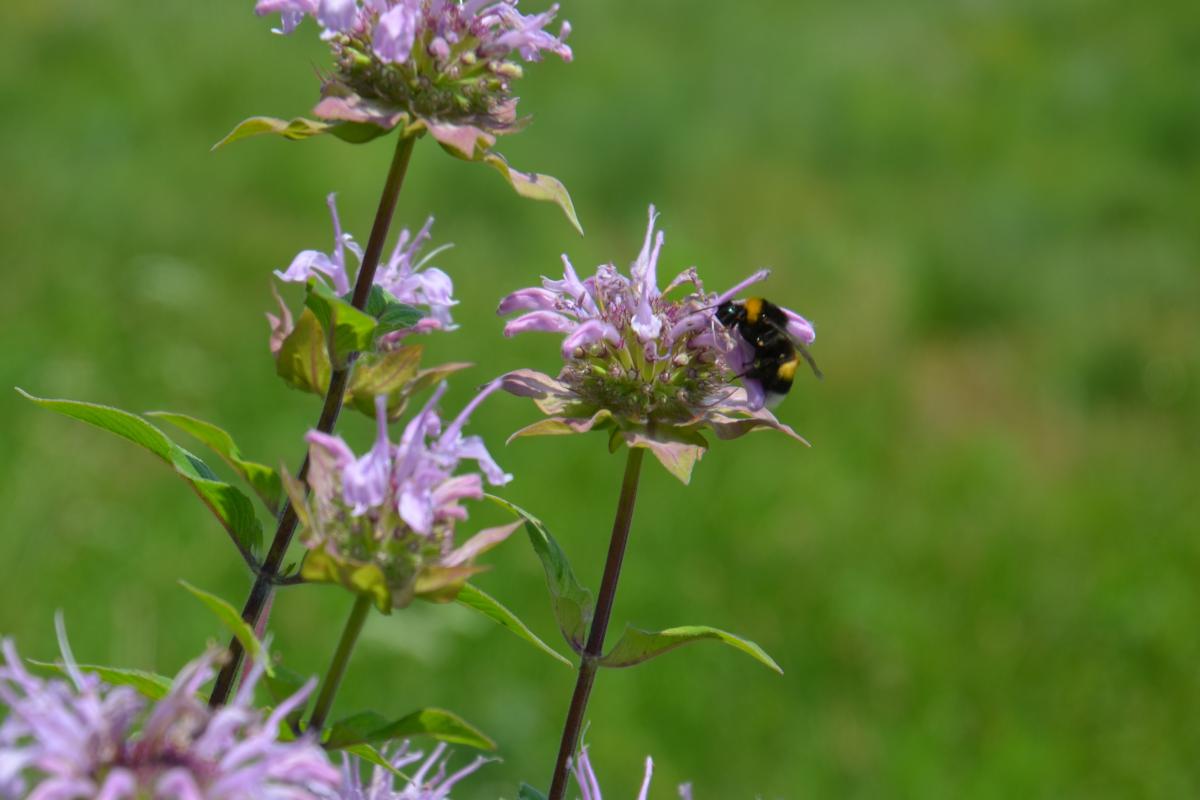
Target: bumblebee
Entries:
(763, 325)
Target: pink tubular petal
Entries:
(543, 321)
(646, 780)
(645, 269)
(756, 398)
(800, 328)
(366, 481)
(395, 32)
(531, 383)
(588, 333)
(305, 265)
(479, 543)
(290, 11)
(757, 277)
(452, 433)
(338, 15)
(531, 299)
(472, 447)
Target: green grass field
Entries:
(983, 579)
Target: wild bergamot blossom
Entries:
(405, 275)
(383, 524)
(652, 370)
(85, 739)
(443, 65)
(429, 782)
(589, 786)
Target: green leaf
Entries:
(536, 187)
(527, 792)
(636, 645)
(572, 603)
(370, 727)
(475, 598)
(281, 685)
(150, 684)
(347, 330)
(232, 620)
(372, 755)
(263, 479)
(390, 313)
(303, 359)
(294, 129)
(232, 508)
(392, 373)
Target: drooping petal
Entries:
(799, 328)
(531, 299)
(590, 332)
(544, 321)
(307, 264)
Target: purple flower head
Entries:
(384, 523)
(406, 275)
(654, 367)
(428, 782)
(442, 61)
(589, 786)
(82, 738)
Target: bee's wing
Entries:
(799, 345)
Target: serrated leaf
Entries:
(572, 603)
(536, 187)
(476, 599)
(370, 727)
(347, 330)
(263, 479)
(227, 503)
(231, 619)
(636, 645)
(303, 359)
(391, 374)
(527, 792)
(294, 129)
(149, 684)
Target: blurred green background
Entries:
(982, 580)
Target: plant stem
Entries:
(264, 580)
(594, 649)
(337, 667)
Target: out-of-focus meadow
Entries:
(983, 580)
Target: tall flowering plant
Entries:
(655, 368)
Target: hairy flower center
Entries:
(442, 79)
(664, 381)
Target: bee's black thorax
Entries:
(763, 325)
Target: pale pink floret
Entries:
(428, 782)
(589, 786)
(59, 737)
(394, 26)
(406, 275)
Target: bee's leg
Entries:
(807, 356)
